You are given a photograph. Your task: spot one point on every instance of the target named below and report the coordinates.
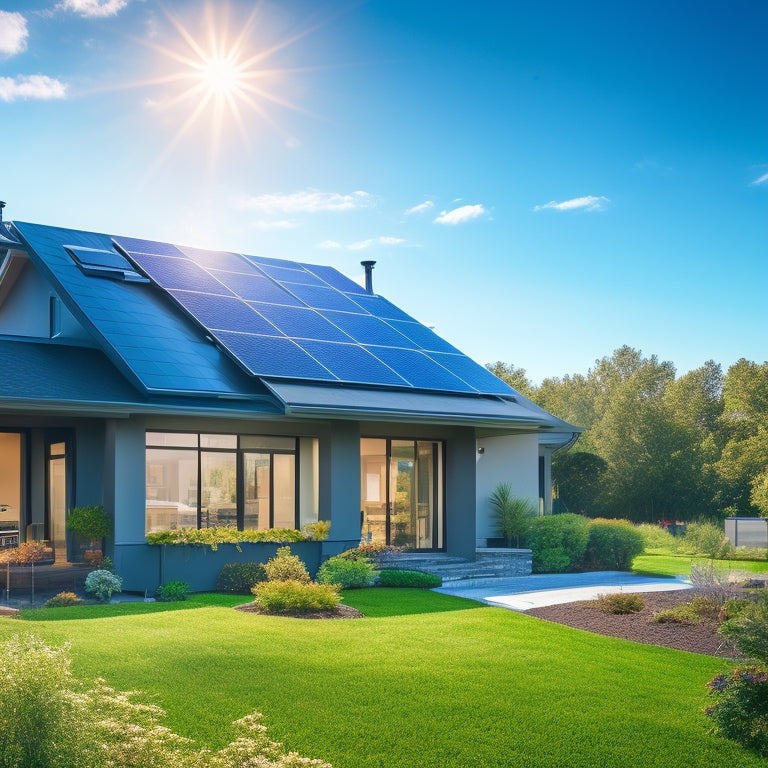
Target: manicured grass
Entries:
(429, 681)
(667, 564)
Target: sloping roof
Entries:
(177, 324)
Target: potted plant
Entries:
(92, 523)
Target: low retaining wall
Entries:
(509, 562)
(144, 567)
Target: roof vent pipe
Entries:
(368, 275)
(2, 205)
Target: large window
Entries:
(243, 481)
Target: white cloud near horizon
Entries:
(461, 215)
(362, 245)
(307, 201)
(13, 33)
(329, 244)
(760, 180)
(26, 87)
(588, 203)
(421, 208)
(93, 9)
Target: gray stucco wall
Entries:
(460, 517)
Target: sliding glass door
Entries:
(401, 492)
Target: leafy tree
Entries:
(577, 479)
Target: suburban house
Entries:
(182, 387)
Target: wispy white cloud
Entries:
(276, 224)
(31, 87)
(390, 240)
(461, 214)
(760, 180)
(13, 33)
(421, 208)
(588, 203)
(329, 244)
(362, 245)
(307, 201)
(93, 9)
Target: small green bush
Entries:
(612, 545)
(103, 584)
(240, 578)
(700, 608)
(172, 592)
(704, 539)
(286, 567)
(349, 574)
(91, 522)
(656, 537)
(399, 578)
(749, 629)
(619, 603)
(63, 599)
(292, 596)
(557, 542)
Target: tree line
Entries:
(656, 446)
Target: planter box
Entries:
(145, 567)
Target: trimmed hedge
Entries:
(293, 596)
(612, 545)
(398, 578)
(557, 542)
(212, 537)
(349, 574)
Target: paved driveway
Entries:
(527, 592)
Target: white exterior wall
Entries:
(510, 459)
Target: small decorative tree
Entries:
(512, 514)
(92, 523)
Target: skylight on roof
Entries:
(101, 263)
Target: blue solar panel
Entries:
(324, 298)
(424, 337)
(224, 313)
(98, 258)
(277, 262)
(133, 245)
(335, 279)
(475, 375)
(367, 329)
(283, 275)
(179, 273)
(352, 363)
(256, 287)
(233, 262)
(380, 307)
(299, 323)
(419, 370)
(272, 356)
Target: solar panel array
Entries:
(284, 319)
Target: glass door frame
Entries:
(67, 438)
(438, 517)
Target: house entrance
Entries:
(402, 492)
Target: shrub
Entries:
(292, 596)
(704, 539)
(512, 514)
(710, 581)
(286, 567)
(612, 545)
(240, 578)
(63, 599)
(212, 537)
(103, 584)
(749, 629)
(619, 603)
(173, 591)
(90, 522)
(656, 537)
(376, 553)
(680, 614)
(27, 553)
(398, 578)
(316, 531)
(347, 573)
(741, 709)
(558, 542)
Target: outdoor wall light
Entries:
(481, 449)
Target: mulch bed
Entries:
(696, 638)
(340, 612)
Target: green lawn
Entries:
(425, 680)
(664, 563)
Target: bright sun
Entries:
(221, 79)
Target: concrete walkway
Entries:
(526, 592)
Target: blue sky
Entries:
(540, 182)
